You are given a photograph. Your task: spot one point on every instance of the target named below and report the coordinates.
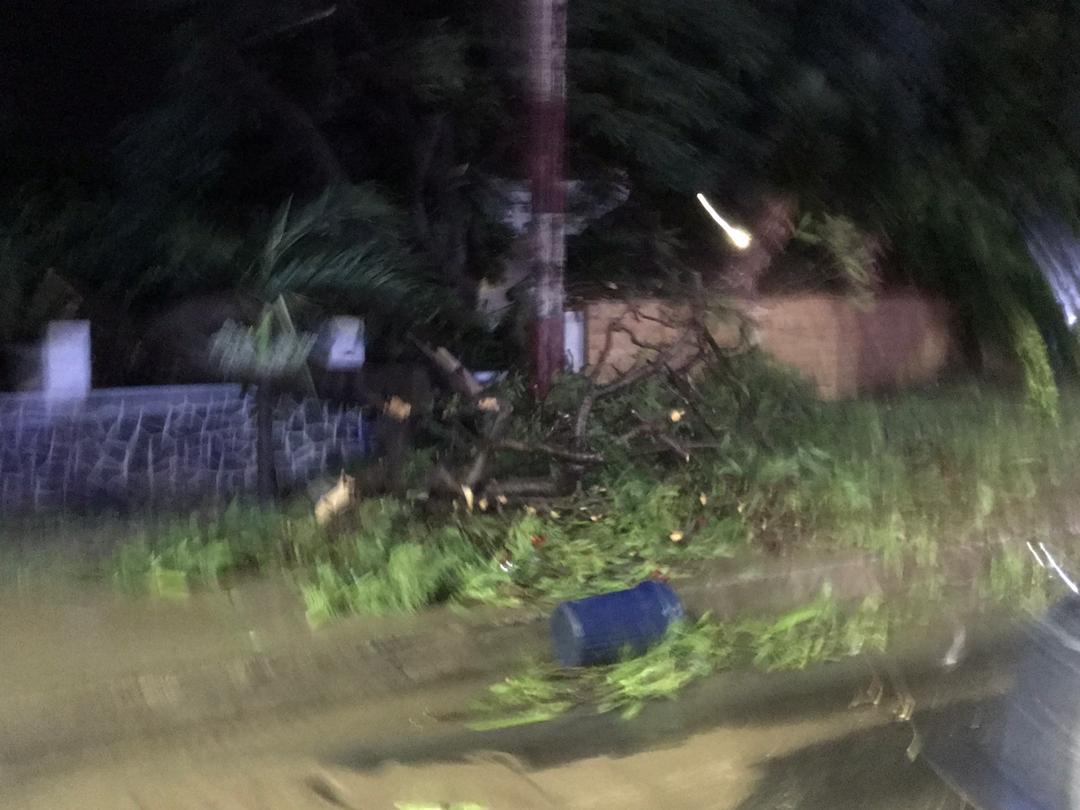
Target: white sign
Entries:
(343, 344)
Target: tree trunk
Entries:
(547, 92)
(264, 442)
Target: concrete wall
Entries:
(843, 347)
(171, 445)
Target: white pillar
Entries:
(574, 340)
(343, 344)
(65, 361)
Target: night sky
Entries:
(69, 72)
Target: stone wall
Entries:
(843, 347)
(172, 446)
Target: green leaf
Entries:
(540, 715)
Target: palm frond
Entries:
(347, 248)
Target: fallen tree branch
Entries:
(675, 447)
(643, 429)
(697, 317)
(636, 374)
(581, 421)
(689, 447)
(459, 378)
(657, 428)
(442, 482)
(644, 370)
(525, 487)
(572, 456)
(478, 468)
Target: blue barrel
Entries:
(599, 629)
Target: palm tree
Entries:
(343, 252)
(269, 355)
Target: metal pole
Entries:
(547, 97)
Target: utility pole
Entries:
(547, 123)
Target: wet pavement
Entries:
(738, 741)
(706, 750)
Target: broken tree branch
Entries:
(478, 468)
(442, 482)
(459, 378)
(525, 487)
(644, 428)
(644, 370)
(572, 456)
(675, 447)
(605, 352)
(636, 374)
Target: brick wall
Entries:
(170, 445)
(843, 347)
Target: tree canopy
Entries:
(152, 159)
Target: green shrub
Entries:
(1040, 389)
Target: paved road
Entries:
(707, 750)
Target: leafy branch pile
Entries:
(502, 446)
(690, 651)
(819, 632)
(769, 470)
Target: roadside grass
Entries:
(909, 478)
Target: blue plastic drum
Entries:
(599, 629)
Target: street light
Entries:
(739, 238)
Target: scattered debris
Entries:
(336, 500)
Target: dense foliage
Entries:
(909, 480)
(943, 126)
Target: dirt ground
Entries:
(720, 769)
(813, 754)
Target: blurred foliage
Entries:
(942, 125)
(347, 250)
(938, 125)
(260, 353)
(848, 257)
(911, 479)
(1039, 386)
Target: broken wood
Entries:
(335, 500)
(459, 378)
(486, 433)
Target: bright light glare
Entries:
(1058, 571)
(739, 238)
